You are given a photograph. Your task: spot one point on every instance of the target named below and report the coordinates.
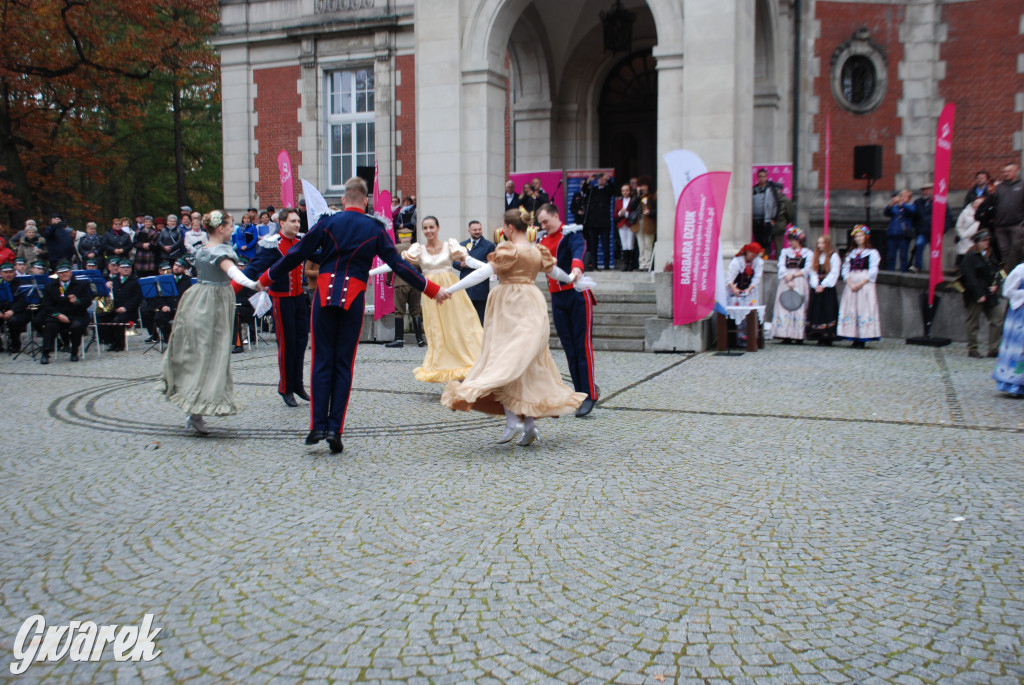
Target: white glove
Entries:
(559, 275)
(382, 269)
(241, 279)
(584, 283)
(478, 276)
(473, 263)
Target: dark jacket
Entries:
(598, 213)
(172, 238)
(483, 248)
(90, 247)
(60, 241)
(16, 304)
(57, 302)
(1009, 201)
(513, 204)
(901, 220)
(120, 240)
(348, 241)
(127, 294)
(979, 274)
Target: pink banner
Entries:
(943, 152)
(777, 173)
(383, 294)
(550, 181)
(828, 164)
(284, 165)
(695, 263)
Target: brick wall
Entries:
(277, 106)
(405, 125)
(839, 21)
(980, 52)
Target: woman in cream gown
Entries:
(453, 332)
(515, 374)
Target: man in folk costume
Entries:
(290, 305)
(348, 241)
(572, 310)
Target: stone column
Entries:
(439, 176)
(482, 159)
(237, 108)
(708, 107)
(531, 135)
(383, 120)
(921, 70)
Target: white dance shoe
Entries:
(510, 432)
(528, 437)
(196, 423)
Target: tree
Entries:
(79, 80)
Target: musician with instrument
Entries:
(982, 279)
(65, 308)
(14, 312)
(127, 298)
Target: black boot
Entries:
(417, 325)
(399, 340)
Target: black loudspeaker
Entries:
(867, 162)
(366, 173)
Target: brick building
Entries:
(447, 97)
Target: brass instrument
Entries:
(104, 305)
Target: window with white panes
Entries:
(349, 123)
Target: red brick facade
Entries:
(277, 106)
(980, 53)
(405, 125)
(839, 20)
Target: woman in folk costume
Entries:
(453, 332)
(1009, 373)
(743, 279)
(823, 305)
(858, 310)
(515, 374)
(196, 367)
(790, 325)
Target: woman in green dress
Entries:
(196, 368)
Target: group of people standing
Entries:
(806, 303)
(503, 366)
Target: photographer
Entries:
(981, 295)
(901, 213)
(597, 220)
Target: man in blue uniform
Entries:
(290, 305)
(573, 311)
(348, 241)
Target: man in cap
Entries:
(38, 268)
(981, 295)
(14, 314)
(127, 299)
(150, 305)
(20, 266)
(65, 309)
(164, 315)
(348, 241)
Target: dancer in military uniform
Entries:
(290, 306)
(572, 310)
(65, 309)
(348, 242)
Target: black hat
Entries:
(6, 266)
(163, 265)
(56, 215)
(63, 266)
(981, 235)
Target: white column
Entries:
(482, 158)
(439, 176)
(237, 94)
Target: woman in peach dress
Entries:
(515, 374)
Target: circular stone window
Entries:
(859, 76)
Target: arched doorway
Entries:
(628, 117)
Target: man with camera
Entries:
(981, 295)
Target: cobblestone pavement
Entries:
(798, 515)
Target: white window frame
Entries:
(360, 125)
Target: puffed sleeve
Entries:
(546, 260)
(413, 254)
(222, 252)
(457, 252)
(503, 258)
